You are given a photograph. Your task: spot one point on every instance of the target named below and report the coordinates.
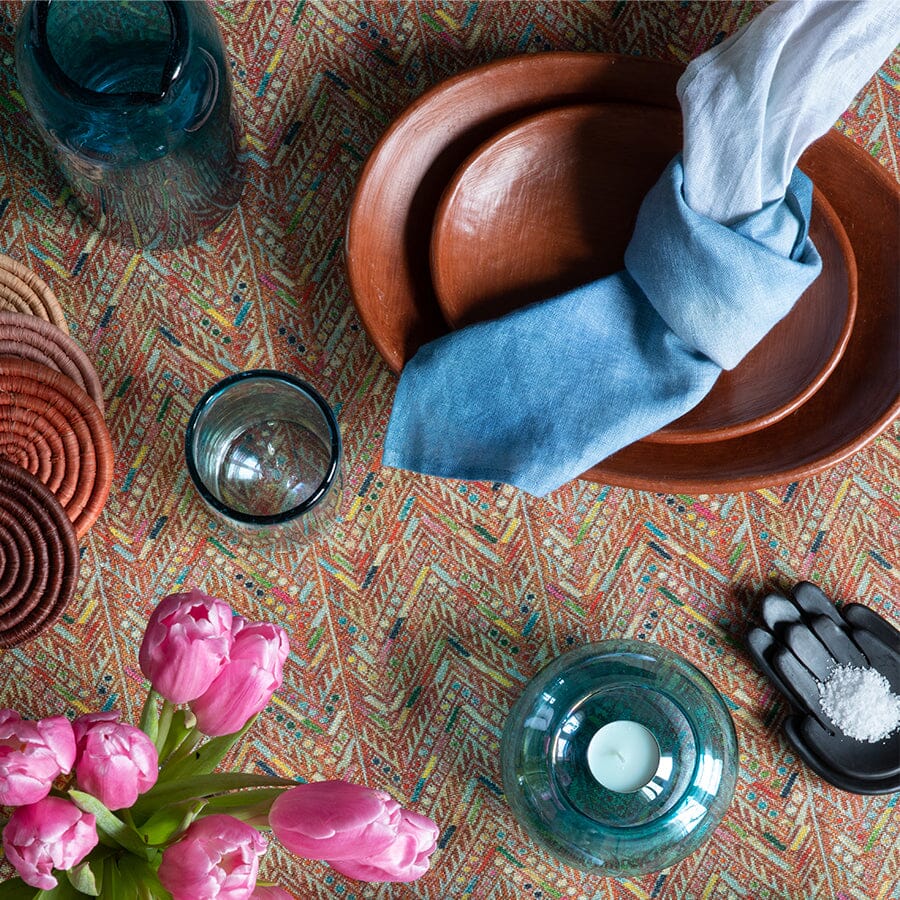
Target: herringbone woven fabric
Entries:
(417, 621)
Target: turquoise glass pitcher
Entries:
(134, 100)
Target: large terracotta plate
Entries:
(388, 236)
(550, 203)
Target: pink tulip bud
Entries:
(270, 892)
(406, 859)
(218, 857)
(186, 644)
(116, 762)
(32, 755)
(50, 834)
(335, 820)
(248, 680)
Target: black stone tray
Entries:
(802, 637)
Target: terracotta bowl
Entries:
(400, 187)
(51, 427)
(550, 203)
(38, 556)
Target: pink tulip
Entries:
(270, 892)
(335, 820)
(186, 644)
(218, 857)
(32, 755)
(406, 859)
(116, 762)
(248, 680)
(50, 834)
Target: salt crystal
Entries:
(860, 703)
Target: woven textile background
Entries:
(418, 619)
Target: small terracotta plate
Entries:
(550, 203)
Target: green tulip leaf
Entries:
(170, 821)
(62, 891)
(205, 758)
(250, 806)
(139, 880)
(87, 877)
(200, 787)
(112, 883)
(109, 825)
(16, 889)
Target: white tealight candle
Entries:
(623, 756)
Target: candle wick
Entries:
(619, 755)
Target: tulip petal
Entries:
(50, 834)
(406, 859)
(399, 862)
(334, 820)
(247, 681)
(186, 644)
(217, 857)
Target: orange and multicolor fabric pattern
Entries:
(416, 622)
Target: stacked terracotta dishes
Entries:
(56, 457)
(518, 180)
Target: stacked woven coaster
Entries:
(56, 457)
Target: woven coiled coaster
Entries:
(38, 556)
(52, 428)
(42, 342)
(22, 291)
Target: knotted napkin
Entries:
(719, 254)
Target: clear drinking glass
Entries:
(263, 449)
(134, 100)
(548, 778)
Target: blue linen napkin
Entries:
(540, 395)
(719, 255)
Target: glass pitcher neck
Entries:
(176, 57)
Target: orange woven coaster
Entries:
(22, 291)
(38, 556)
(42, 342)
(51, 427)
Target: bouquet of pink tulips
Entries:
(127, 812)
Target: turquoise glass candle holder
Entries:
(678, 728)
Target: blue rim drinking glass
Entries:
(263, 448)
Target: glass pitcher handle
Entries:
(172, 67)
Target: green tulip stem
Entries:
(186, 748)
(149, 715)
(165, 721)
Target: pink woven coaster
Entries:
(42, 342)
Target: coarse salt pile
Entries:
(860, 703)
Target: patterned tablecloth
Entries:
(417, 620)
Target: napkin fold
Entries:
(719, 255)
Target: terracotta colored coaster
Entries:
(39, 560)
(52, 428)
(22, 291)
(42, 342)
